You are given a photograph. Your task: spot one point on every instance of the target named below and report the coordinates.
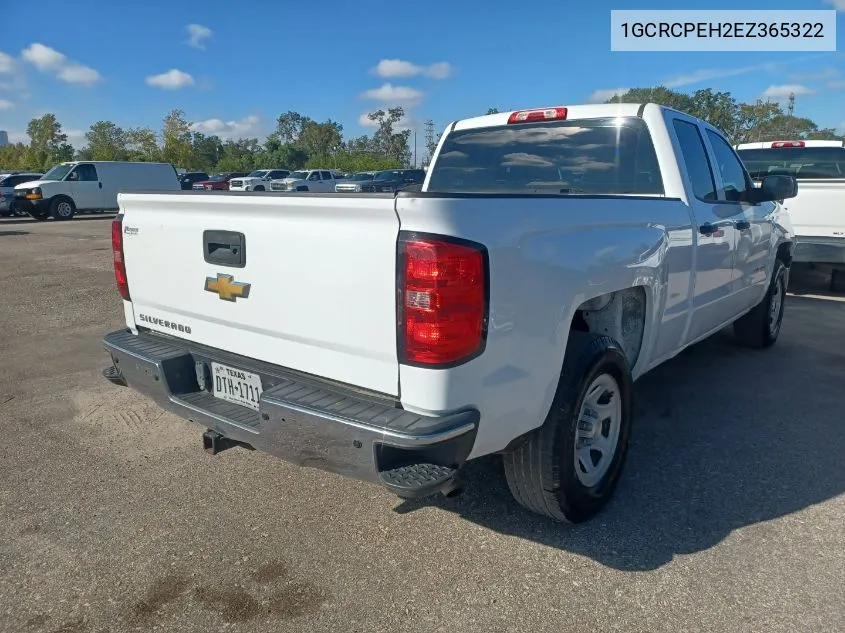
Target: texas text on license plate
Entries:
(236, 385)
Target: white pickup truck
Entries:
(818, 211)
(550, 259)
(311, 180)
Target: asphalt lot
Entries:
(728, 518)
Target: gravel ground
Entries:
(728, 518)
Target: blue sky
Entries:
(131, 62)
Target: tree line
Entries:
(740, 122)
(298, 141)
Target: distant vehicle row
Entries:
(310, 180)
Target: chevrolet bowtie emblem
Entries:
(225, 287)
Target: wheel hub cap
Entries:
(597, 436)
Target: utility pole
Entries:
(415, 148)
(430, 142)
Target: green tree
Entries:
(386, 140)
(106, 141)
(142, 145)
(238, 155)
(176, 136)
(320, 140)
(14, 156)
(492, 111)
(207, 151)
(289, 126)
(48, 144)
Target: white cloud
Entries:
(7, 63)
(397, 95)
(783, 91)
(197, 34)
(600, 96)
(173, 79)
(228, 129)
(18, 137)
(49, 60)
(839, 5)
(388, 68)
(5, 104)
(836, 85)
(43, 57)
(79, 74)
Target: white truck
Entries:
(257, 180)
(551, 258)
(818, 211)
(310, 180)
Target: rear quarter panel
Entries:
(548, 256)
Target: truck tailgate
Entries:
(316, 292)
(819, 208)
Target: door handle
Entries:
(707, 229)
(101, 185)
(743, 225)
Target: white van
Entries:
(90, 186)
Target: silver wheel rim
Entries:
(597, 435)
(775, 307)
(63, 209)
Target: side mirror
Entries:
(776, 187)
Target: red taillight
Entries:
(780, 144)
(119, 264)
(443, 300)
(531, 116)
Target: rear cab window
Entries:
(602, 156)
(805, 163)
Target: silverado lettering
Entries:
(165, 323)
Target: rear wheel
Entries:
(760, 327)
(569, 468)
(62, 208)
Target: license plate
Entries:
(236, 386)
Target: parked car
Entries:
(311, 180)
(818, 211)
(553, 257)
(218, 182)
(392, 180)
(352, 182)
(90, 186)
(258, 180)
(8, 181)
(188, 179)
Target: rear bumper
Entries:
(301, 419)
(819, 250)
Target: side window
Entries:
(325, 175)
(696, 161)
(85, 173)
(314, 175)
(735, 179)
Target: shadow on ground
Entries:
(724, 438)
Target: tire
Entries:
(259, 188)
(62, 208)
(760, 327)
(543, 473)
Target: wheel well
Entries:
(784, 254)
(621, 315)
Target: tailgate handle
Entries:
(224, 248)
